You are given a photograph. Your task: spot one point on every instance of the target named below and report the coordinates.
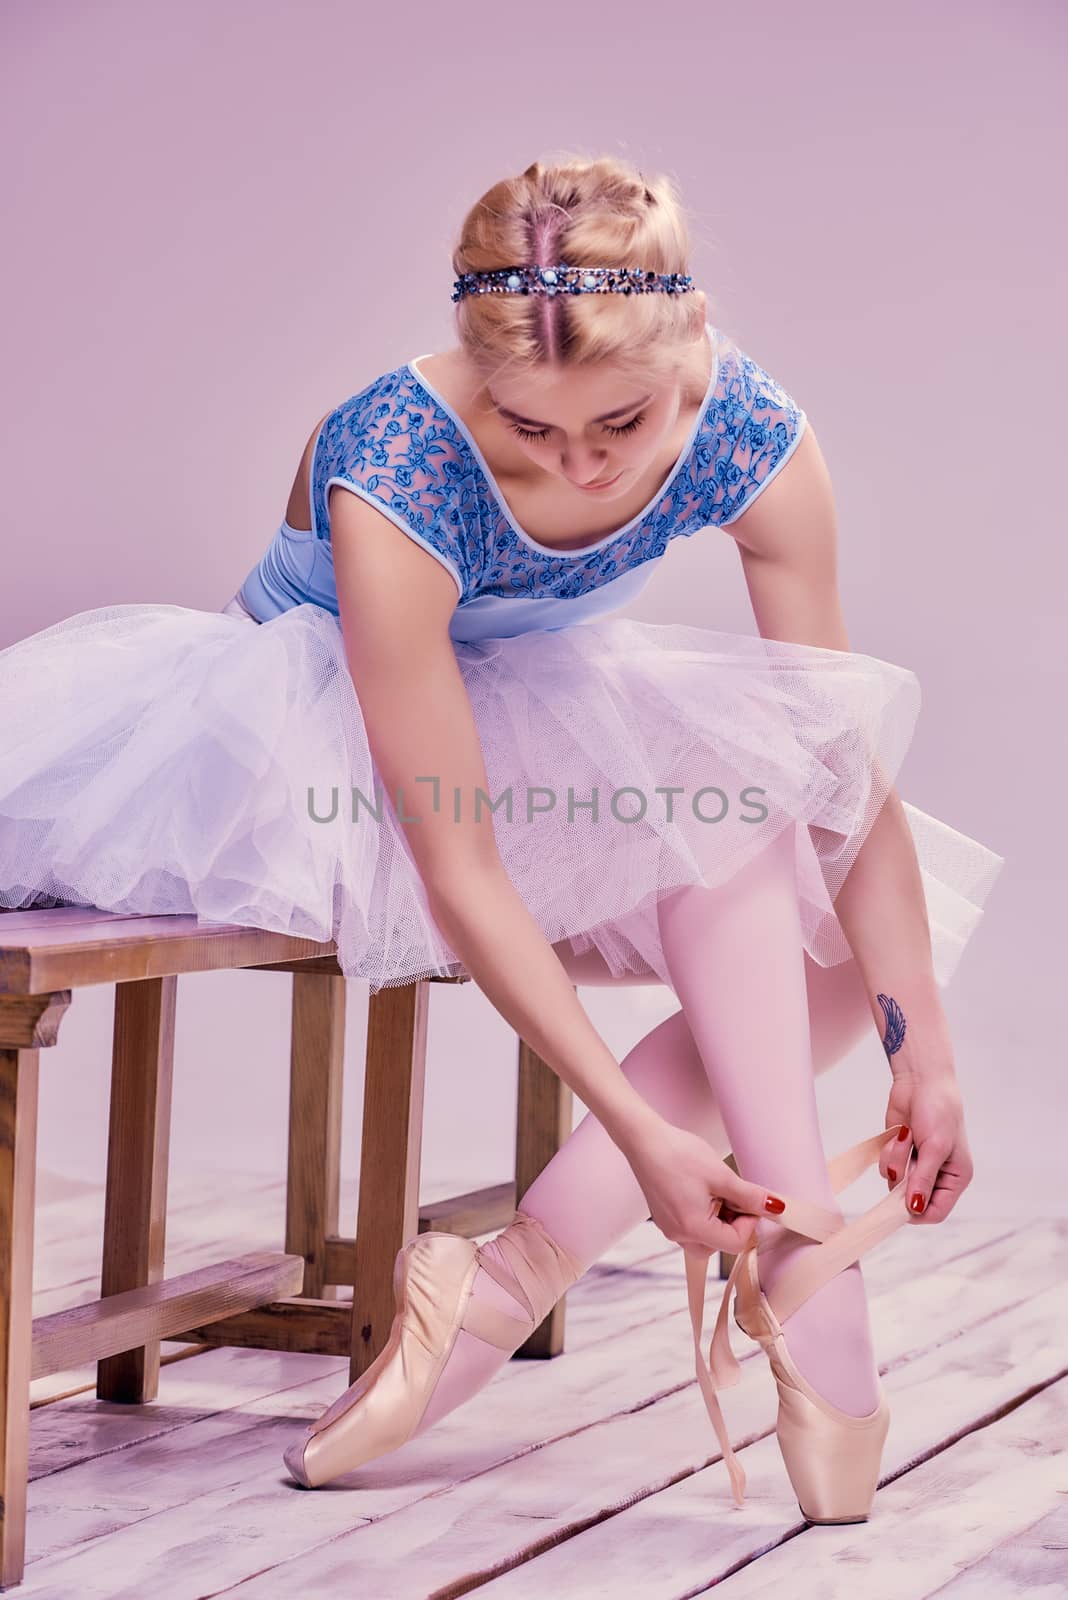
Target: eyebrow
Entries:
(606, 416)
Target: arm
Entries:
(787, 543)
(395, 601)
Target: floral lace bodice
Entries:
(398, 445)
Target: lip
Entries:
(607, 484)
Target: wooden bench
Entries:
(274, 1300)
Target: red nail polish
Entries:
(891, 1174)
(904, 1132)
(773, 1203)
(917, 1203)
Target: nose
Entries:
(597, 467)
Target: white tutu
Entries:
(158, 759)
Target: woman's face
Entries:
(585, 425)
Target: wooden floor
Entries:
(595, 1474)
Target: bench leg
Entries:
(390, 1159)
(313, 1167)
(26, 1023)
(544, 1112)
(135, 1205)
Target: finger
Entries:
(938, 1208)
(924, 1175)
(896, 1146)
(894, 1153)
(722, 1230)
(730, 1237)
(733, 1237)
(743, 1224)
(748, 1198)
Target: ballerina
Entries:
(418, 729)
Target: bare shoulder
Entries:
(455, 379)
(446, 364)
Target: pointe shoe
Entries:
(832, 1457)
(432, 1281)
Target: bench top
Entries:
(67, 947)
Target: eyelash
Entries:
(628, 427)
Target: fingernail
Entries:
(904, 1133)
(891, 1174)
(773, 1203)
(917, 1203)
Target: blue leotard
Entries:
(400, 446)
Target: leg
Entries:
(736, 961)
(587, 1197)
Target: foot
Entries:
(425, 1368)
(472, 1362)
(829, 1336)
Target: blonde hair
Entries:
(582, 212)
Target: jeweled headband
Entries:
(571, 280)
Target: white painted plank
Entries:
(688, 1536)
(1032, 1563)
(648, 1368)
(601, 1308)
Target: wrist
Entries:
(926, 1053)
(914, 1031)
(630, 1121)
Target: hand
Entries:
(930, 1104)
(686, 1184)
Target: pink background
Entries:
(222, 219)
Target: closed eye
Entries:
(530, 434)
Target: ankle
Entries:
(537, 1266)
(829, 1338)
(488, 1286)
(777, 1242)
(784, 1252)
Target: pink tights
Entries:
(758, 1019)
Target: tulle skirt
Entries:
(157, 759)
